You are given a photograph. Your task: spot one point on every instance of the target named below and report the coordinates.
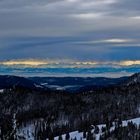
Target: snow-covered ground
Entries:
(1, 90)
(79, 136)
(28, 131)
(73, 135)
(57, 87)
(38, 86)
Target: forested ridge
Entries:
(54, 113)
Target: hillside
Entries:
(56, 112)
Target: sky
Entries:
(70, 37)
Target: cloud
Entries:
(54, 29)
(68, 63)
(127, 45)
(24, 62)
(63, 17)
(117, 40)
(87, 15)
(69, 68)
(111, 40)
(130, 62)
(136, 17)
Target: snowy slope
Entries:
(1, 90)
(79, 136)
(28, 131)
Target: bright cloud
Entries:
(117, 40)
(24, 62)
(112, 41)
(87, 15)
(68, 63)
(130, 62)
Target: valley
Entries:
(25, 102)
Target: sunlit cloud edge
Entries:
(38, 63)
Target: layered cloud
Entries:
(108, 41)
(68, 63)
(45, 18)
(69, 68)
(32, 33)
